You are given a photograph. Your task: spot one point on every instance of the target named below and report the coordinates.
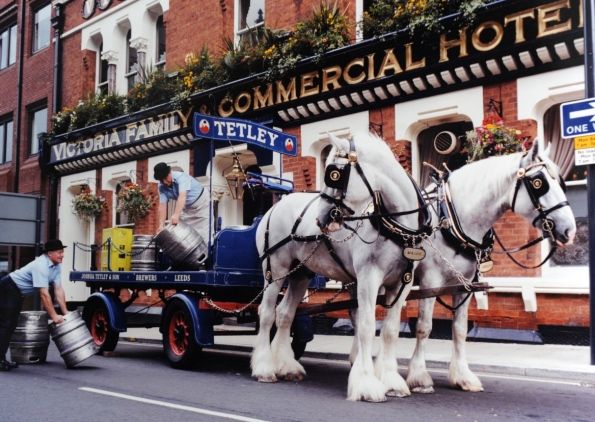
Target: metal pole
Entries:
(589, 11)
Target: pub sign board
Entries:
(226, 129)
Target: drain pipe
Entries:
(58, 25)
(19, 113)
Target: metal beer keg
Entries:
(143, 253)
(73, 339)
(30, 340)
(183, 245)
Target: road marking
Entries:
(170, 405)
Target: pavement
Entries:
(550, 361)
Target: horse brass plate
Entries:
(486, 266)
(414, 254)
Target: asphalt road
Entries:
(136, 384)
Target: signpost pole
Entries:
(589, 11)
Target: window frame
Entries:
(159, 61)
(35, 46)
(243, 33)
(10, 28)
(102, 86)
(31, 127)
(6, 158)
(130, 72)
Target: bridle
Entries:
(336, 177)
(537, 185)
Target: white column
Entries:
(111, 57)
(140, 44)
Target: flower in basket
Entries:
(135, 201)
(87, 206)
(493, 138)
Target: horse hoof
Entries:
(294, 377)
(267, 379)
(374, 399)
(423, 390)
(398, 394)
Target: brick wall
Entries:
(198, 26)
(303, 168)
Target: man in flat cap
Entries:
(35, 276)
(192, 202)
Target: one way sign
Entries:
(578, 118)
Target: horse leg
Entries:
(286, 366)
(418, 377)
(262, 363)
(459, 374)
(353, 318)
(363, 384)
(386, 361)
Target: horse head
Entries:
(357, 169)
(539, 195)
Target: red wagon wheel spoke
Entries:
(99, 327)
(179, 333)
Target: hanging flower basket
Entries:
(88, 206)
(493, 138)
(135, 202)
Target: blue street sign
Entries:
(577, 118)
(224, 129)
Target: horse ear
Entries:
(339, 143)
(531, 156)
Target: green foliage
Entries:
(94, 109)
(155, 88)
(134, 201)
(418, 16)
(88, 206)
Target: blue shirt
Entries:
(181, 182)
(36, 274)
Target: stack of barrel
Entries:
(143, 253)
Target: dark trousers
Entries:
(11, 302)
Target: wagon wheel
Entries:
(98, 323)
(178, 336)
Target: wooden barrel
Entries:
(143, 253)
(73, 339)
(183, 245)
(30, 340)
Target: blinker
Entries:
(336, 176)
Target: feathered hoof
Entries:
(294, 377)
(266, 378)
(423, 389)
(395, 385)
(469, 387)
(367, 388)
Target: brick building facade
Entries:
(525, 80)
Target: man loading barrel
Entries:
(192, 202)
(36, 275)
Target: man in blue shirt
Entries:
(192, 201)
(35, 276)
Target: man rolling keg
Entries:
(35, 276)
(192, 202)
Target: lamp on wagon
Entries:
(235, 179)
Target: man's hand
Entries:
(174, 219)
(58, 319)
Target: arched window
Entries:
(250, 19)
(562, 153)
(131, 62)
(160, 42)
(102, 66)
(121, 217)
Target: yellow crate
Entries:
(119, 251)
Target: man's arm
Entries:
(46, 301)
(162, 214)
(180, 203)
(61, 298)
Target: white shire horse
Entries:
(363, 255)
(480, 193)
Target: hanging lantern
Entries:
(235, 180)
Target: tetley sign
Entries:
(221, 129)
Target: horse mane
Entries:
(495, 173)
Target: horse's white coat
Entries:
(481, 192)
(374, 265)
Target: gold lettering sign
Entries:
(491, 44)
(309, 86)
(446, 45)
(548, 19)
